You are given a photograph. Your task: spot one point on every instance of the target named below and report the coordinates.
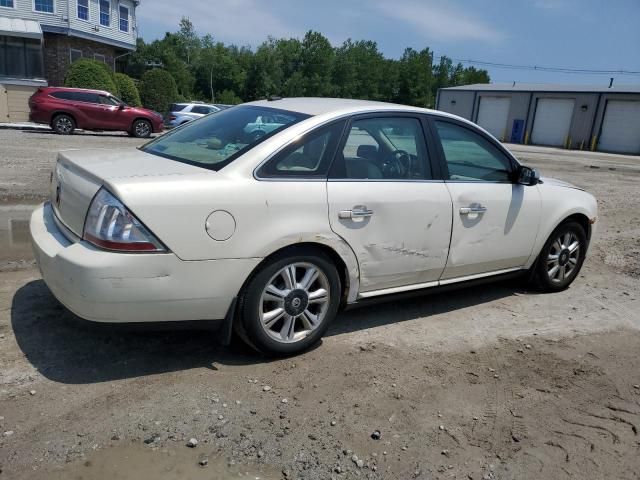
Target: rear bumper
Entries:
(132, 288)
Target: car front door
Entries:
(495, 219)
(92, 111)
(385, 202)
(112, 117)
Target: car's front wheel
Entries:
(561, 257)
(63, 124)
(141, 129)
(288, 305)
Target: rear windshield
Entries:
(215, 141)
(177, 107)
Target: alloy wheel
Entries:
(294, 302)
(563, 257)
(64, 125)
(142, 129)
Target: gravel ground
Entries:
(494, 382)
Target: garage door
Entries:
(621, 127)
(492, 115)
(552, 121)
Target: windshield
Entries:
(216, 140)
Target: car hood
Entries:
(144, 111)
(558, 183)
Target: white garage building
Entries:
(568, 116)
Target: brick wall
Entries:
(57, 55)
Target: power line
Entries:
(581, 71)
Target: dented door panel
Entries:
(405, 239)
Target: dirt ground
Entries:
(494, 382)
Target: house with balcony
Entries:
(39, 39)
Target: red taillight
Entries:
(111, 226)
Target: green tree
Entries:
(158, 89)
(87, 73)
(416, 78)
(316, 62)
(128, 90)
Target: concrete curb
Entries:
(24, 126)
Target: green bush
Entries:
(158, 89)
(87, 73)
(228, 97)
(128, 90)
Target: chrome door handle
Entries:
(359, 211)
(469, 210)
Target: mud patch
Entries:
(135, 462)
(15, 243)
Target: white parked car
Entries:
(344, 201)
(181, 113)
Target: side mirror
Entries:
(528, 176)
(121, 106)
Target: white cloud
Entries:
(233, 21)
(440, 21)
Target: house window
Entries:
(124, 18)
(45, 6)
(99, 57)
(6, 3)
(20, 57)
(105, 13)
(83, 10)
(75, 55)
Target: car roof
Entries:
(319, 106)
(68, 89)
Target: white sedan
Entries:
(272, 236)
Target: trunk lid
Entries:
(79, 174)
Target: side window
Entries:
(386, 148)
(200, 109)
(308, 157)
(470, 156)
(105, 100)
(87, 97)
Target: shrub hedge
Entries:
(88, 73)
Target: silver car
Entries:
(181, 113)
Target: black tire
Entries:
(63, 124)
(141, 128)
(558, 281)
(249, 321)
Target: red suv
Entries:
(66, 109)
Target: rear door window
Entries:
(308, 157)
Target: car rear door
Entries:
(495, 219)
(387, 202)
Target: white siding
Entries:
(68, 9)
(113, 30)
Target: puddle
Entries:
(137, 462)
(15, 244)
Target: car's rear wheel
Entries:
(141, 129)
(287, 306)
(561, 258)
(63, 124)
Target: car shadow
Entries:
(66, 349)
(69, 350)
(422, 303)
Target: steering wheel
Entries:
(396, 164)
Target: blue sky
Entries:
(593, 34)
